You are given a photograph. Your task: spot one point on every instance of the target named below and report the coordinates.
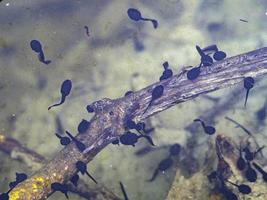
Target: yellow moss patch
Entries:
(16, 193)
(38, 182)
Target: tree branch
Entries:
(35, 161)
(108, 121)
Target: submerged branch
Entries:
(35, 161)
(108, 121)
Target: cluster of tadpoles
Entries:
(62, 187)
(243, 164)
(130, 138)
(224, 190)
(167, 162)
(206, 60)
(20, 177)
(246, 157)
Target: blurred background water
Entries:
(119, 55)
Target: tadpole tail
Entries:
(9, 190)
(124, 192)
(148, 138)
(57, 104)
(66, 195)
(154, 176)
(59, 136)
(245, 104)
(41, 58)
(258, 168)
(199, 50)
(68, 133)
(47, 62)
(91, 177)
(154, 22)
(147, 107)
(202, 123)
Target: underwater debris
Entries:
(238, 125)
(243, 20)
(87, 31)
(61, 188)
(135, 15)
(81, 166)
(210, 130)
(124, 192)
(37, 47)
(65, 91)
(248, 85)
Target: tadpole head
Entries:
(66, 87)
(157, 92)
(65, 141)
(81, 166)
(248, 83)
(244, 189)
(36, 46)
(175, 149)
(90, 108)
(241, 164)
(219, 55)
(134, 14)
(210, 130)
(193, 73)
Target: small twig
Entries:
(35, 161)
(107, 124)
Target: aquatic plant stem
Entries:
(108, 121)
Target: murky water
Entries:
(115, 55)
